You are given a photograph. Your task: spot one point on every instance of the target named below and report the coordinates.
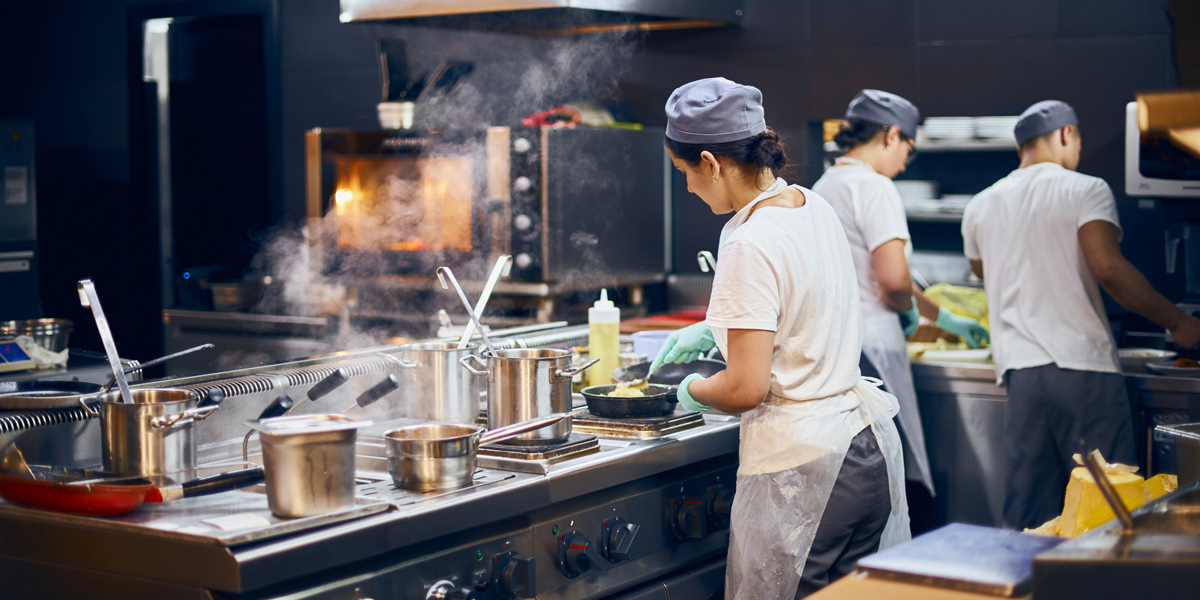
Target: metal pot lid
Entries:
(305, 424)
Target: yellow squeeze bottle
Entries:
(604, 331)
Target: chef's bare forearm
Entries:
(1123, 281)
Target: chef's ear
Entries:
(891, 135)
(710, 163)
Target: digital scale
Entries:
(14, 356)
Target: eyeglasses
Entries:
(912, 152)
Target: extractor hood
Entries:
(549, 17)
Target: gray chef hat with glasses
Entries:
(887, 109)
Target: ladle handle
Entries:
(512, 430)
(88, 297)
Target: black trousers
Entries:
(1048, 410)
(854, 518)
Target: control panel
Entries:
(526, 205)
(629, 534)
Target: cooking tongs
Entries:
(88, 297)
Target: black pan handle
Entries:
(330, 383)
(379, 390)
(232, 480)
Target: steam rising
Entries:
(516, 76)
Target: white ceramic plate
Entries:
(1172, 370)
(974, 356)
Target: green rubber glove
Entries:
(685, 397)
(909, 319)
(684, 346)
(968, 329)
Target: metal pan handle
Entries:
(471, 357)
(573, 371)
(199, 413)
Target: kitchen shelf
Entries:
(935, 146)
(934, 217)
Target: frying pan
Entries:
(26, 395)
(658, 400)
(96, 494)
(670, 373)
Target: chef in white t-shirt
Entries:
(1041, 239)
(877, 139)
(820, 471)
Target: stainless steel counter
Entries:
(221, 546)
(962, 411)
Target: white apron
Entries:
(790, 455)
(884, 344)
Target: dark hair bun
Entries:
(768, 151)
(855, 132)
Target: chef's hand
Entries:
(686, 399)
(909, 319)
(968, 329)
(1187, 332)
(684, 346)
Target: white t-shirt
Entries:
(1043, 301)
(872, 213)
(788, 270)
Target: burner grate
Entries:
(387, 490)
(649, 427)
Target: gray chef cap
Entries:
(885, 108)
(1042, 118)
(714, 111)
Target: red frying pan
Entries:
(84, 492)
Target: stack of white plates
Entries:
(950, 128)
(996, 128)
(955, 202)
(918, 195)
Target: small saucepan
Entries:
(656, 401)
(438, 456)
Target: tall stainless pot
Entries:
(432, 385)
(153, 435)
(527, 383)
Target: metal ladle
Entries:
(443, 273)
(88, 297)
(503, 266)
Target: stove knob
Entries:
(522, 184)
(447, 591)
(522, 145)
(720, 504)
(523, 260)
(515, 576)
(620, 537)
(521, 222)
(691, 522)
(577, 554)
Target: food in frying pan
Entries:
(1187, 363)
(631, 389)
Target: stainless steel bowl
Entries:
(51, 334)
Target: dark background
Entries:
(73, 67)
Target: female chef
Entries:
(877, 137)
(819, 479)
